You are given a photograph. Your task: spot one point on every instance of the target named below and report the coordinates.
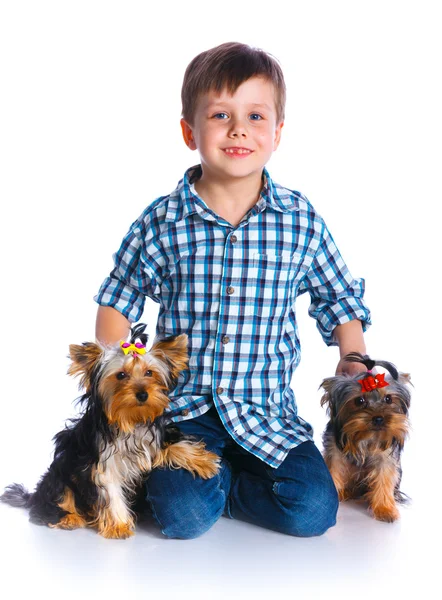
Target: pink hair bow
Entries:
(134, 348)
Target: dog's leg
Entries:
(339, 470)
(188, 455)
(114, 518)
(72, 520)
(382, 482)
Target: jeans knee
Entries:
(181, 520)
(311, 516)
(186, 507)
(187, 529)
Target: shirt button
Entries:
(225, 339)
(185, 412)
(233, 239)
(219, 390)
(230, 290)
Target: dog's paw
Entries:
(191, 456)
(207, 464)
(119, 531)
(70, 521)
(387, 514)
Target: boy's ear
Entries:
(278, 135)
(187, 134)
(84, 358)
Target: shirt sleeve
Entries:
(134, 276)
(336, 297)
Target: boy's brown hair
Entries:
(226, 67)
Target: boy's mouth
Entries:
(235, 151)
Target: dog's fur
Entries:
(101, 458)
(365, 436)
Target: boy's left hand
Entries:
(349, 368)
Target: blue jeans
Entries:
(297, 498)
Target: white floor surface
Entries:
(358, 558)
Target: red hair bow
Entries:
(373, 382)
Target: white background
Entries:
(89, 135)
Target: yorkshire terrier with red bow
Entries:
(102, 457)
(365, 436)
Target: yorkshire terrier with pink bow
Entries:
(365, 436)
(101, 458)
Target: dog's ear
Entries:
(328, 385)
(172, 352)
(405, 378)
(84, 359)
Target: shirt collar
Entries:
(184, 201)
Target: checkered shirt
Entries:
(233, 291)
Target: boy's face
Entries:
(235, 135)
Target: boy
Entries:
(225, 255)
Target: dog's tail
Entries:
(401, 498)
(16, 495)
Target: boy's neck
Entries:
(231, 199)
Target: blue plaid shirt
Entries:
(233, 291)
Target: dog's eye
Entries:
(148, 374)
(360, 401)
(388, 399)
(121, 375)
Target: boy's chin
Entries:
(241, 170)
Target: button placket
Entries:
(225, 318)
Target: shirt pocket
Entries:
(277, 268)
(274, 275)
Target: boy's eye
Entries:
(220, 116)
(255, 117)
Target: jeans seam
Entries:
(154, 513)
(227, 496)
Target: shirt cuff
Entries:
(345, 310)
(128, 301)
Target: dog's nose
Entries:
(378, 420)
(142, 396)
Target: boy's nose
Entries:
(238, 129)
